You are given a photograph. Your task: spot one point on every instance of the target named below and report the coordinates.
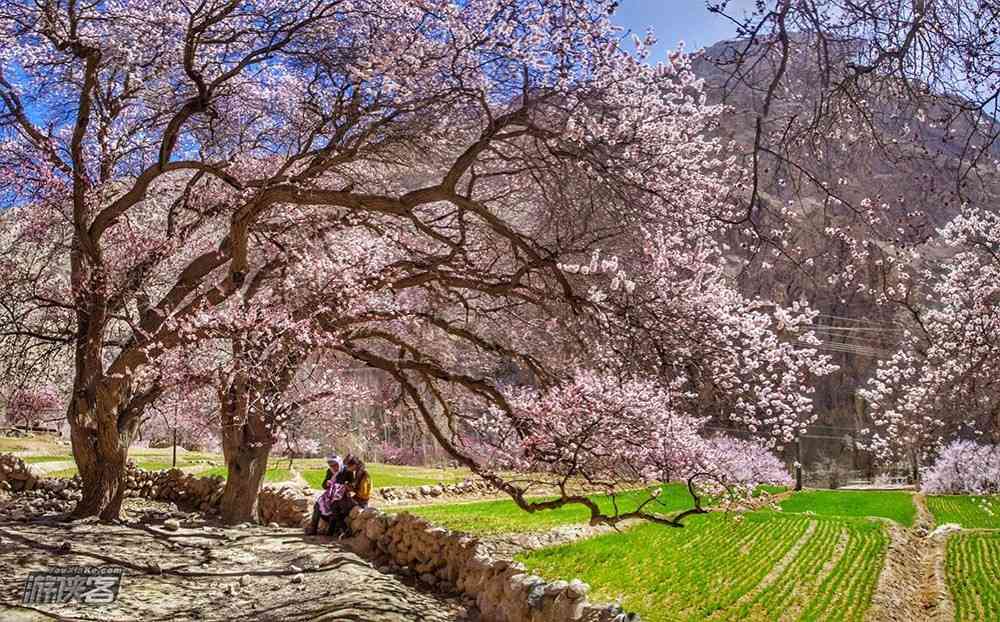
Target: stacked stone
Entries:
(15, 475)
(187, 491)
(461, 489)
(139, 483)
(503, 591)
(288, 506)
(47, 496)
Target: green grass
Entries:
(973, 570)
(37, 459)
(389, 475)
(156, 466)
(969, 512)
(715, 567)
(67, 473)
(271, 475)
(504, 516)
(895, 505)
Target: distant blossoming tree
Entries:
(944, 380)
(964, 467)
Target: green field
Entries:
(48, 449)
(388, 475)
(973, 567)
(271, 475)
(720, 568)
(39, 459)
(969, 512)
(894, 505)
(504, 516)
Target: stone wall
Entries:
(502, 589)
(466, 488)
(15, 475)
(187, 491)
(288, 506)
(285, 506)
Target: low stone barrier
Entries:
(288, 506)
(285, 506)
(503, 590)
(16, 475)
(468, 487)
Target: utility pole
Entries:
(798, 463)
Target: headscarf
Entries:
(335, 459)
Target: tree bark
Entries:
(246, 445)
(245, 468)
(101, 438)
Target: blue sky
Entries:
(679, 20)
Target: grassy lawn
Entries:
(973, 569)
(70, 472)
(161, 458)
(388, 475)
(271, 475)
(503, 516)
(896, 505)
(157, 466)
(715, 567)
(969, 512)
(37, 459)
(40, 444)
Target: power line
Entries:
(855, 329)
(856, 320)
(800, 436)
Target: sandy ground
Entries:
(205, 572)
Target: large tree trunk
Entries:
(246, 445)
(246, 467)
(101, 440)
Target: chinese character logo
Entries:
(87, 585)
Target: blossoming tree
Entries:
(942, 381)
(188, 164)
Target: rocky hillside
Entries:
(832, 150)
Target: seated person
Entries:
(361, 482)
(337, 472)
(336, 493)
(357, 493)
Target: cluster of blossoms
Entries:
(611, 431)
(25, 405)
(746, 462)
(964, 467)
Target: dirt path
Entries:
(898, 594)
(207, 573)
(925, 520)
(913, 586)
(936, 595)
